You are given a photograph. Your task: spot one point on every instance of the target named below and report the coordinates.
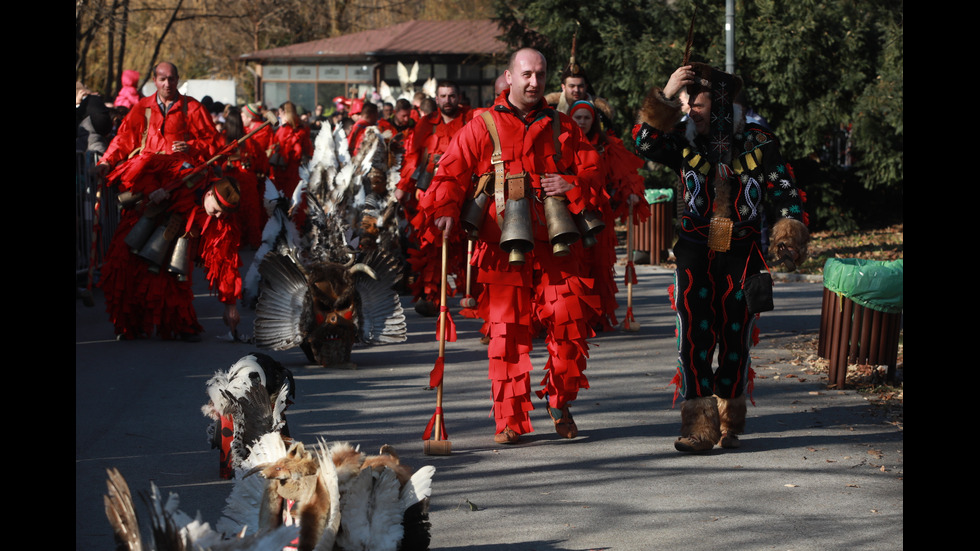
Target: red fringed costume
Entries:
(429, 141)
(546, 292)
(142, 299)
(288, 147)
(618, 172)
(248, 164)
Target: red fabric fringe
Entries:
(435, 376)
(427, 435)
(630, 273)
(450, 325)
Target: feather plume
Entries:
(244, 501)
(381, 318)
(355, 507)
(690, 38)
(121, 513)
(386, 530)
(282, 303)
(173, 529)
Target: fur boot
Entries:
(731, 414)
(700, 427)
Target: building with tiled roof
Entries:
(465, 51)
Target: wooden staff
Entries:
(630, 323)
(439, 445)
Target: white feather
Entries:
(242, 504)
(355, 510)
(429, 88)
(386, 516)
(403, 76)
(417, 488)
(328, 476)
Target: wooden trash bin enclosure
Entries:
(656, 235)
(861, 315)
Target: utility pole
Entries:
(730, 37)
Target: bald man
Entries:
(543, 288)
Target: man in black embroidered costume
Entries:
(737, 188)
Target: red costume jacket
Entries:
(263, 137)
(431, 137)
(248, 164)
(528, 145)
(186, 120)
(291, 144)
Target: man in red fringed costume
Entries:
(247, 164)
(159, 141)
(144, 293)
(623, 186)
(539, 289)
(430, 139)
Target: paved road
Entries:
(817, 470)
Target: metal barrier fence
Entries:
(91, 205)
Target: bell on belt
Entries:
(589, 223)
(516, 237)
(474, 211)
(128, 199)
(562, 231)
(140, 233)
(155, 250)
(180, 260)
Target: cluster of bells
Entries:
(516, 235)
(155, 243)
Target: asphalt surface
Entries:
(818, 469)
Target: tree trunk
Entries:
(159, 44)
(123, 29)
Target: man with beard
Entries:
(740, 198)
(526, 154)
(429, 141)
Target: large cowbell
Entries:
(140, 233)
(589, 223)
(516, 237)
(156, 249)
(562, 230)
(474, 211)
(180, 259)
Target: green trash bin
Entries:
(861, 317)
(656, 235)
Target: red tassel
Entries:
(629, 314)
(750, 387)
(450, 325)
(676, 381)
(630, 273)
(432, 422)
(435, 376)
